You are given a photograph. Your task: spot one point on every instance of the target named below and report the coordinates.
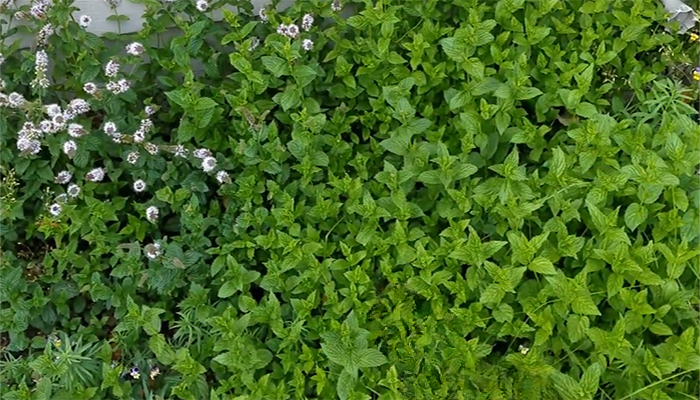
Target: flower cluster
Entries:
(292, 31)
(41, 64)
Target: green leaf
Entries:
(276, 65)
(586, 110)
(369, 358)
(346, 384)
(227, 289)
(542, 265)
(635, 215)
(527, 93)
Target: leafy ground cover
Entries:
(418, 200)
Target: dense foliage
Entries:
(398, 199)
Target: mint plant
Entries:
(349, 199)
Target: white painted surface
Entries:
(99, 11)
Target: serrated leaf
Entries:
(370, 358)
(635, 215)
(542, 265)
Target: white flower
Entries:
(55, 209)
(307, 21)
(46, 126)
(202, 5)
(2, 59)
(78, 106)
(76, 130)
(223, 177)
(151, 148)
(84, 21)
(152, 213)
(263, 15)
(152, 250)
(63, 177)
(90, 88)
(111, 69)
(292, 31)
(282, 29)
(16, 100)
(73, 190)
(180, 151)
(110, 128)
(69, 148)
(124, 85)
(28, 146)
(254, 43)
(139, 186)
(59, 120)
(336, 6)
(139, 136)
(132, 157)
(95, 175)
(149, 110)
(201, 153)
(307, 44)
(208, 164)
(135, 49)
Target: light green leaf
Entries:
(542, 265)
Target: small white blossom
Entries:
(254, 43)
(84, 21)
(292, 31)
(263, 15)
(78, 107)
(63, 177)
(2, 59)
(152, 213)
(55, 209)
(28, 146)
(90, 88)
(16, 100)
(59, 120)
(42, 38)
(282, 29)
(110, 128)
(132, 157)
(69, 148)
(139, 186)
(95, 175)
(73, 190)
(208, 164)
(336, 6)
(111, 69)
(222, 177)
(76, 130)
(201, 153)
(180, 151)
(152, 250)
(151, 148)
(307, 21)
(135, 49)
(139, 136)
(202, 5)
(307, 44)
(146, 125)
(149, 110)
(46, 126)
